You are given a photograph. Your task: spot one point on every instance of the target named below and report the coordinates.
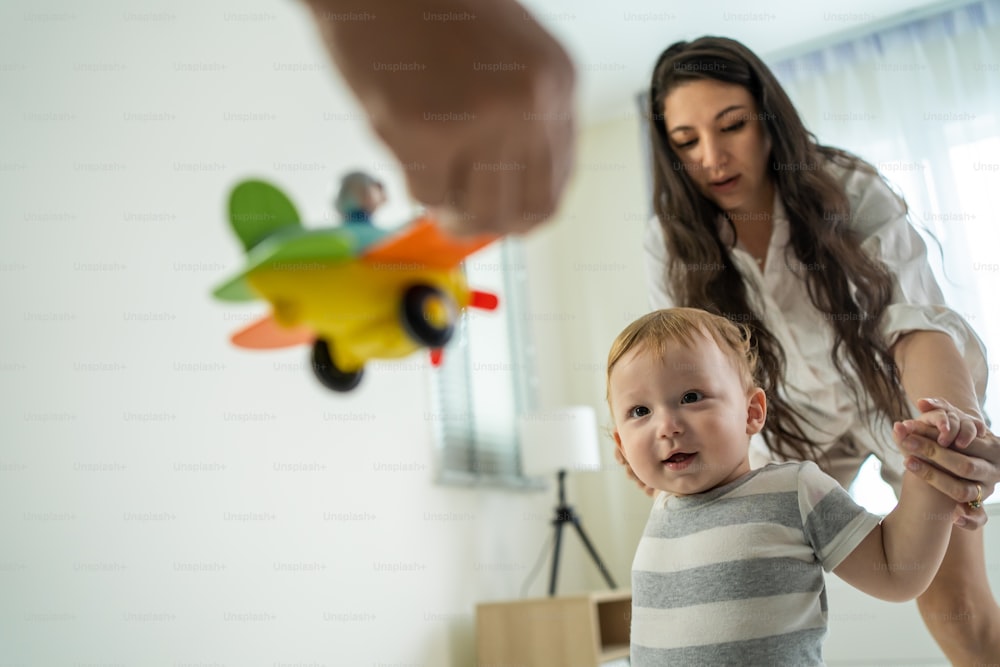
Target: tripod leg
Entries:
(555, 558)
(593, 553)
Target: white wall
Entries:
(595, 273)
(166, 499)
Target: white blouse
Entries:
(780, 296)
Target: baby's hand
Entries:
(955, 427)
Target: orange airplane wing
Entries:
(425, 244)
(267, 334)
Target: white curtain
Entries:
(921, 101)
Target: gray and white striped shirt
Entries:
(734, 576)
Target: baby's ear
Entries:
(618, 442)
(756, 411)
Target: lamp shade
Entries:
(560, 439)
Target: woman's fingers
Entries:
(968, 518)
(955, 485)
(962, 491)
(904, 428)
(977, 462)
(987, 448)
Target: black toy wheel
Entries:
(429, 315)
(327, 372)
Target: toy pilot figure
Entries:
(359, 196)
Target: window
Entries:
(485, 381)
(919, 100)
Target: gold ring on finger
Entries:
(978, 502)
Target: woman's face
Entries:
(718, 134)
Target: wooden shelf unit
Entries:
(572, 631)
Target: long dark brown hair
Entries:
(850, 289)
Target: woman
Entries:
(807, 245)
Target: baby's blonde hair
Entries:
(661, 328)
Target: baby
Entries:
(729, 569)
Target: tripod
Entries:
(564, 515)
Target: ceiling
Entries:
(615, 44)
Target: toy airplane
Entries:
(354, 292)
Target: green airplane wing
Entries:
(258, 209)
(291, 249)
(268, 225)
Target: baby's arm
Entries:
(899, 558)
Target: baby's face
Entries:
(684, 422)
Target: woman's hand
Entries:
(648, 490)
(479, 111)
(953, 452)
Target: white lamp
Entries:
(557, 441)
(561, 439)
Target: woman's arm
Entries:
(930, 365)
(939, 354)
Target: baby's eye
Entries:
(638, 411)
(691, 397)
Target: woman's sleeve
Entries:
(917, 304)
(655, 253)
